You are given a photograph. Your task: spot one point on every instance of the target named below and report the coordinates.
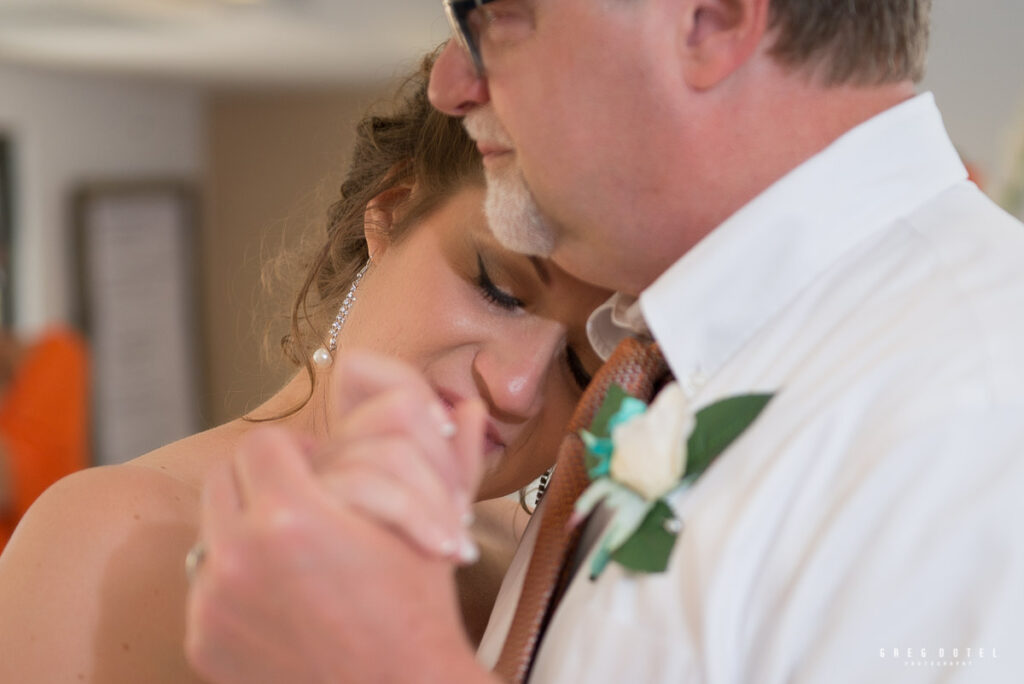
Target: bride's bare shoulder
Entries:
(188, 460)
(94, 573)
(109, 502)
(95, 507)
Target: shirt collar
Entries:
(618, 318)
(711, 301)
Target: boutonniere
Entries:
(636, 455)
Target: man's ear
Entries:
(379, 218)
(718, 36)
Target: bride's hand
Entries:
(398, 456)
(394, 454)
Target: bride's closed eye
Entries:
(509, 302)
(492, 292)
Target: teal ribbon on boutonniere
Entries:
(636, 455)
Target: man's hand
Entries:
(309, 572)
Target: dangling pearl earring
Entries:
(322, 357)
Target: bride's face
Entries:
(481, 321)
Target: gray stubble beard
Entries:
(514, 216)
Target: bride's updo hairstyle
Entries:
(412, 146)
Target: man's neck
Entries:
(782, 127)
(745, 147)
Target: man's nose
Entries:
(455, 87)
(514, 372)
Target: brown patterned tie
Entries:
(637, 367)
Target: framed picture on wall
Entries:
(6, 233)
(138, 270)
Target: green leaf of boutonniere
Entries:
(612, 402)
(650, 546)
(598, 455)
(718, 425)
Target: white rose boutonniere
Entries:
(649, 452)
(636, 455)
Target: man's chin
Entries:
(515, 219)
(522, 242)
(521, 235)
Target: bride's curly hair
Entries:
(411, 146)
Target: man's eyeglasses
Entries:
(464, 30)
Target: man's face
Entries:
(572, 114)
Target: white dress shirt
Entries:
(872, 515)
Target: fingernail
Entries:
(448, 429)
(444, 422)
(469, 552)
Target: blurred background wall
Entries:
(975, 66)
(252, 104)
(66, 129)
(275, 162)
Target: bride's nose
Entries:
(513, 370)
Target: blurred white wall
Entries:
(69, 129)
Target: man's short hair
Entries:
(857, 42)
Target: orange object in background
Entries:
(44, 420)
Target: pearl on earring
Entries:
(322, 356)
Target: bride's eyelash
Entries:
(579, 373)
(492, 292)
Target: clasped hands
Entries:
(333, 560)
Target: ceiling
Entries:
(254, 42)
